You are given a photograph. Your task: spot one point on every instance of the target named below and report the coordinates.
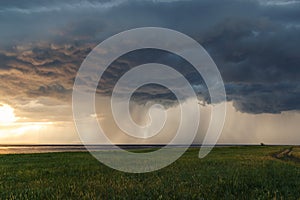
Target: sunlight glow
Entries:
(7, 115)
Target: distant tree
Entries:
(262, 144)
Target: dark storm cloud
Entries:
(264, 98)
(144, 56)
(255, 44)
(40, 70)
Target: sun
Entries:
(7, 114)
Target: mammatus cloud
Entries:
(46, 70)
(255, 44)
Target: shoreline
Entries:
(33, 149)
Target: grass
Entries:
(226, 173)
(296, 152)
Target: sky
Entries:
(254, 43)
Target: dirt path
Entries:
(286, 155)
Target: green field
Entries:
(249, 172)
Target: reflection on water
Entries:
(21, 149)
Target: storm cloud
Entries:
(255, 45)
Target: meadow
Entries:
(246, 172)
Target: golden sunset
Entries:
(149, 99)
